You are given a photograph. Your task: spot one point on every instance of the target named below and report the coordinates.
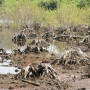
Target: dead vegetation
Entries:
(42, 74)
(41, 70)
(73, 57)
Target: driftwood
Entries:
(32, 35)
(67, 37)
(85, 40)
(33, 83)
(26, 71)
(48, 35)
(62, 37)
(41, 70)
(73, 57)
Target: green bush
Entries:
(1, 1)
(50, 5)
(83, 3)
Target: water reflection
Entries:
(58, 47)
(6, 40)
(8, 70)
(53, 48)
(6, 21)
(5, 68)
(6, 43)
(4, 62)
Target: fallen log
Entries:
(30, 82)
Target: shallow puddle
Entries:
(5, 62)
(9, 70)
(6, 69)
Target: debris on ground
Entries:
(32, 35)
(34, 49)
(19, 37)
(42, 70)
(85, 40)
(48, 35)
(33, 83)
(73, 57)
(17, 51)
(2, 51)
(40, 43)
(42, 74)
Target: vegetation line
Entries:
(48, 13)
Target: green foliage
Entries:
(1, 1)
(83, 3)
(50, 5)
(48, 13)
(71, 15)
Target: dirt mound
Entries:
(73, 57)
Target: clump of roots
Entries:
(73, 57)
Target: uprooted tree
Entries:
(41, 70)
(73, 57)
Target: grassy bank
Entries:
(47, 13)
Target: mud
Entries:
(71, 77)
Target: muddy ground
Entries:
(71, 77)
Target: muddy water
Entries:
(6, 43)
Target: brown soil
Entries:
(71, 77)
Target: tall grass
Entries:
(27, 12)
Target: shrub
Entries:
(83, 3)
(50, 5)
(1, 1)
